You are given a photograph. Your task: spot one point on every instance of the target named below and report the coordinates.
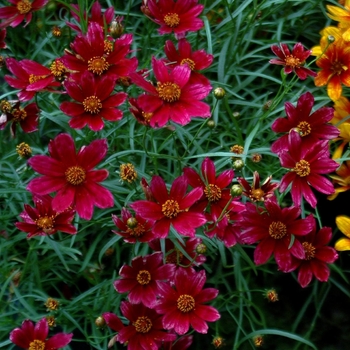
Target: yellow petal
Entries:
(343, 223)
(339, 151)
(342, 244)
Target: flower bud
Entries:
(201, 248)
(100, 322)
(219, 93)
(236, 190)
(238, 164)
(131, 222)
(211, 123)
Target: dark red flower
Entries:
(173, 98)
(91, 52)
(176, 16)
(143, 278)
(20, 10)
(34, 337)
(133, 228)
(172, 208)
(183, 306)
(145, 329)
(30, 77)
(306, 168)
(113, 322)
(2, 38)
(312, 127)
(95, 101)
(71, 175)
(27, 117)
(195, 60)
(292, 61)
(273, 228)
(43, 220)
(317, 256)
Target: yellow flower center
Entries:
(36, 345)
(213, 192)
(168, 92)
(302, 168)
(310, 250)
(172, 20)
(46, 223)
(175, 257)
(34, 78)
(5, 106)
(186, 303)
(137, 231)
(75, 175)
(147, 116)
(92, 104)
(292, 61)
(108, 47)
(97, 65)
(57, 68)
(304, 128)
(143, 324)
(171, 208)
(338, 67)
(189, 62)
(257, 194)
(277, 229)
(143, 277)
(24, 6)
(19, 114)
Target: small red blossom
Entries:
(71, 175)
(95, 101)
(178, 16)
(173, 98)
(20, 10)
(183, 306)
(143, 278)
(273, 228)
(312, 127)
(195, 60)
(307, 165)
(317, 256)
(27, 117)
(43, 220)
(145, 329)
(30, 77)
(171, 208)
(34, 337)
(292, 61)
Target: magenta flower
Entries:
(183, 306)
(34, 337)
(43, 220)
(95, 101)
(317, 256)
(307, 167)
(71, 175)
(273, 228)
(172, 208)
(143, 278)
(312, 127)
(173, 98)
(195, 60)
(20, 10)
(178, 16)
(145, 329)
(292, 61)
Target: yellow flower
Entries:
(341, 15)
(341, 110)
(342, 179)
(343, 223)
(324, 41)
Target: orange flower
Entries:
(341, 110)
(342, 179)
(326, 33)
(334, 64)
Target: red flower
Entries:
(19, 11)
(113, 322)
(133, 229)
(178, 17)
(311, 127)
(182, 343)
(143, 278)
(99, 56)
(196, 60)
(43, 220)
(27, 118)
(31, 77)
(307, 165)
(2, 39)
(273, 228)
(145, 329)
(71, 175)
(30, 337)
(317, 256)
(95, 101)
(292, 61)
(171, 208)
(182, 305)
(96, 16)
(142, 117)
(173, 98)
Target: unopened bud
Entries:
(238, 164)
(100, 322)
(330, 39)
(131, 222)
(236, 190)
(211, 123)
(201, 248)
(219, 93)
